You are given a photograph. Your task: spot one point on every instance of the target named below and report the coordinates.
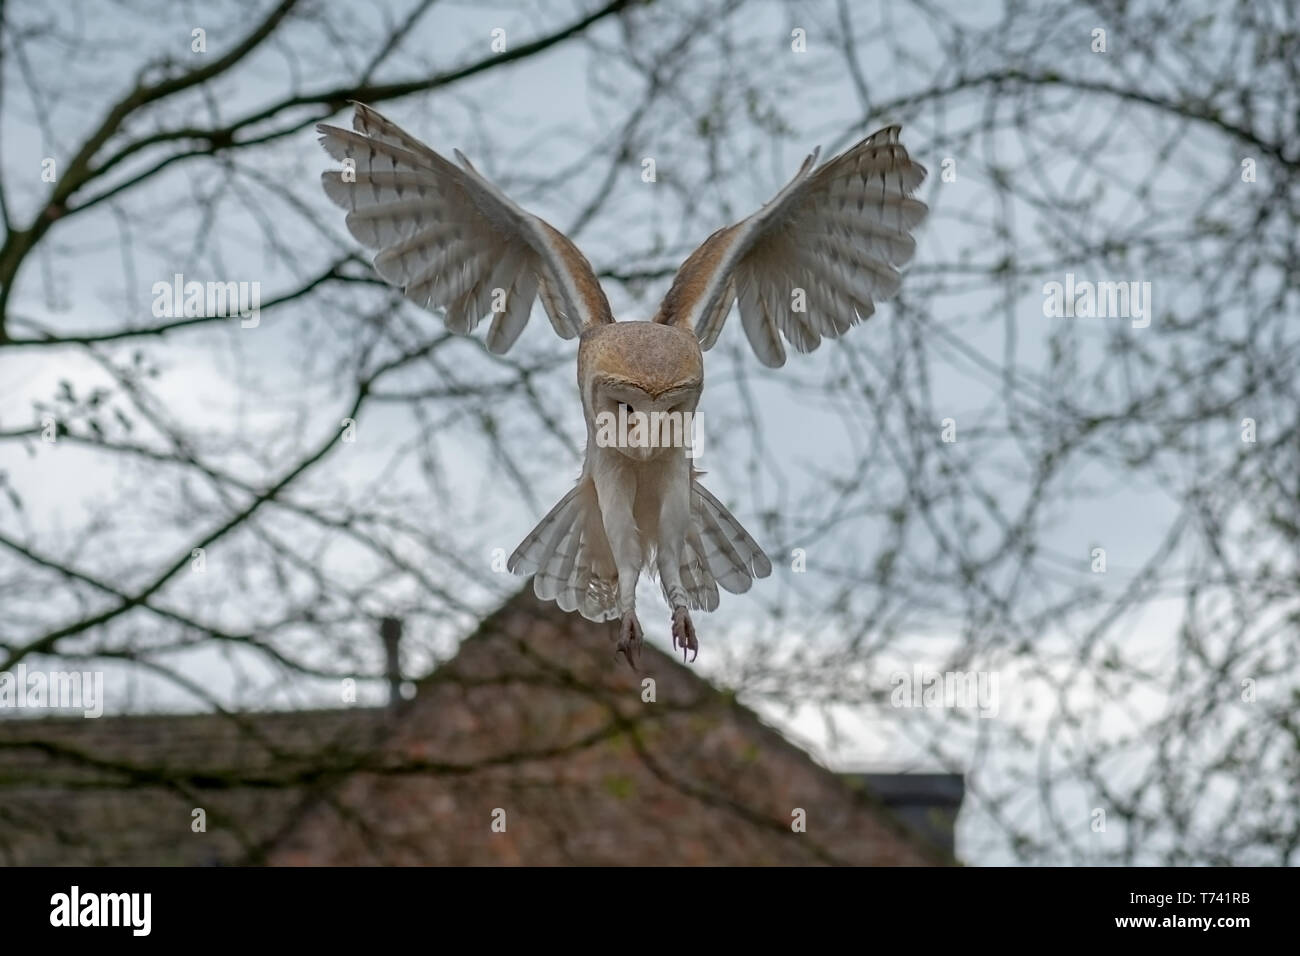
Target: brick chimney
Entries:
(390, 630)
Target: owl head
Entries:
(640, 383)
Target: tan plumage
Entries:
(455, 243)
(640, 354)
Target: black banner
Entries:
(231, 906)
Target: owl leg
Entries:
(616, 494)
(684, 633)
(630, 639)
(674, 521)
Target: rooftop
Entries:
(531, 746)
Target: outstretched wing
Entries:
(451, 239)
(814, 260)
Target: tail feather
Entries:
(569, 558)
(572, 565)
(720, 551)
(701, 586)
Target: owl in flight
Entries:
(811, 263)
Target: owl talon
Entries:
(630, 639)
(684, 634)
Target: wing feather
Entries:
(449, 237)
(701, 586)
(728, 552)
(839, 234)
(569, 557)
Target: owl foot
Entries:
(630, 639)
(684, 634)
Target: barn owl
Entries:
(809, 264)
